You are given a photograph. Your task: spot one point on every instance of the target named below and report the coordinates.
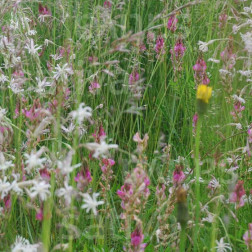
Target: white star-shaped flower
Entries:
(100, 149)
(91, 203)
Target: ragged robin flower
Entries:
(204, 93)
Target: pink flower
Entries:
(134, 77)
(107, 4)
(141, 143)
(107, 164)
(238, 193)
(223, 19)
(159, 48)
(44, 10)
(39, 214)
(177, 54)
(247, 237)
(172, 22)
(178, 175)
(194, 123)
(137, 239)
(7, 202)
(93, 87)
(45, 174)
(142, 47)
(101, 135)
(83, 178)
(228, 57)
(200, 74)
(250, 135)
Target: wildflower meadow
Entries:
(125, 125)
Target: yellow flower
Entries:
(204, 93)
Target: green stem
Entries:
(197, 174)
(182, 240)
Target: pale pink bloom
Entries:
(141, 143)
(238, 193)
(247, 237)
(94, 87)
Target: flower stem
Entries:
(197, 174)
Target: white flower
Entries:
(70, 128)
(203, 46)
(222, 246)
(67, 192)
(209, 218)
(65, 165)
(81, 113)
(62, 72)
(237, 125)
(158, 232)
(31, 32)
(246, 73)
(213, 60)
(42, 84)
(247, 39)
(2, 113)
(91, 203)
(32, 49)
(23, 245)
(224, 72)
(100, 148)
(214, 183)
(41, 189)
(4, 165)
(34, 160)
(238, 98)
(3, 78)
(5, 187)
(235, 28)
(16, 86)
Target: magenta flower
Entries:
(7, 202)
(45, 174)
(39, 214)
(137, 239)
(101, 135)
(177, 54)
(134, 77)
(107, 4)
(159, 48)
(83, 178)
(44, 10)
(238, 193)
(247, 237)
(107, 163)
(172, 23)
(178, 175)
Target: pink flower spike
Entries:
(172, 23)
